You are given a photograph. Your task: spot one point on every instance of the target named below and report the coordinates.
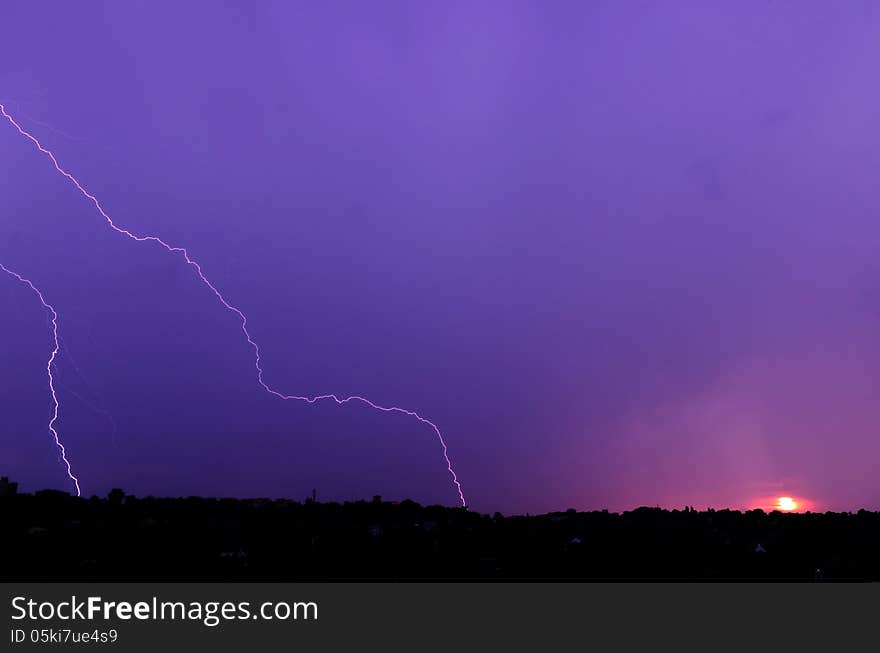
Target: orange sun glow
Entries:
(786, 504)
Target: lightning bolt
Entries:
(56, 348)
(103, 412)
(238, 313)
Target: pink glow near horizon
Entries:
(49, 364)
(241, 316)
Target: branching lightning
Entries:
(233, 309)
(51, 362)
(88, 403)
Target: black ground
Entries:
(54, 536)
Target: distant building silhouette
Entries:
(7, 488)
(116, 497)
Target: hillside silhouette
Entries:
(51, 535)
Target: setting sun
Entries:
(786, 504)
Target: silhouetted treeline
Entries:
(54, 536)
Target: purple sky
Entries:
(623, 253)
